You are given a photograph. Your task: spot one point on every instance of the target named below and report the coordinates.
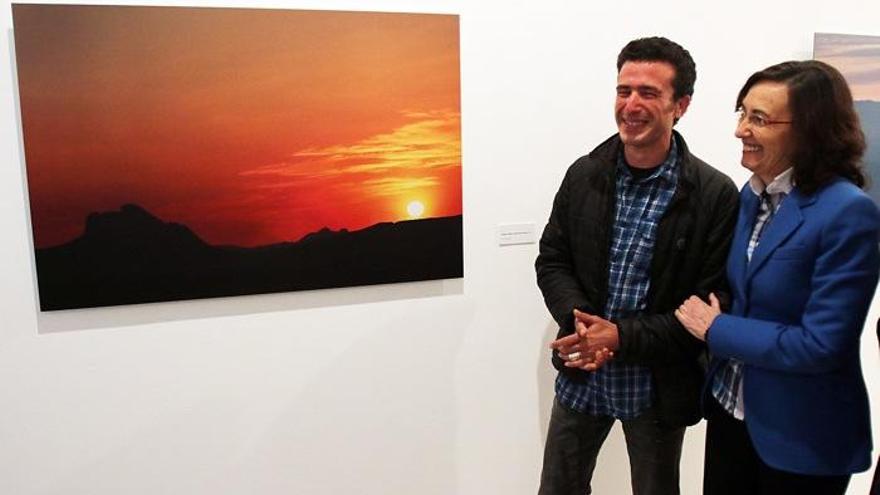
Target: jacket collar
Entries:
(609, 150)
(785, 222)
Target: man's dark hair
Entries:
(827, 137)
(659, 49)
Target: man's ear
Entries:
(681, 106)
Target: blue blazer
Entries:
(797, 315)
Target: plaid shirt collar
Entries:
(777, 189)
(665, 171)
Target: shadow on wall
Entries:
(141, 314)
(546, 376)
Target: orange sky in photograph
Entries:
(249, 126)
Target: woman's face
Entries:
(765, 130)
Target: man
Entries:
(637, 226)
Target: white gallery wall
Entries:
(434, 388)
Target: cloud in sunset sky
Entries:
(406, 155)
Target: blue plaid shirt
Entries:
(624, 390)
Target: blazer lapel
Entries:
(787, 219)
(737, 262)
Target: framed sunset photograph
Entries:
(857, 57)
(182, 153)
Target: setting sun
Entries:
(415, 209)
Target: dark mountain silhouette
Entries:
(133, 228)
(320, 235)
(130, 256)
(869, 114)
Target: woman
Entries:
(785, 398)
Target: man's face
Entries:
(645, 108)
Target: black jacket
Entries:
(693, 240)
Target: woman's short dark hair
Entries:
(828, 138)
(660, 49)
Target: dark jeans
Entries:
(574, 440)
(734, 468)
